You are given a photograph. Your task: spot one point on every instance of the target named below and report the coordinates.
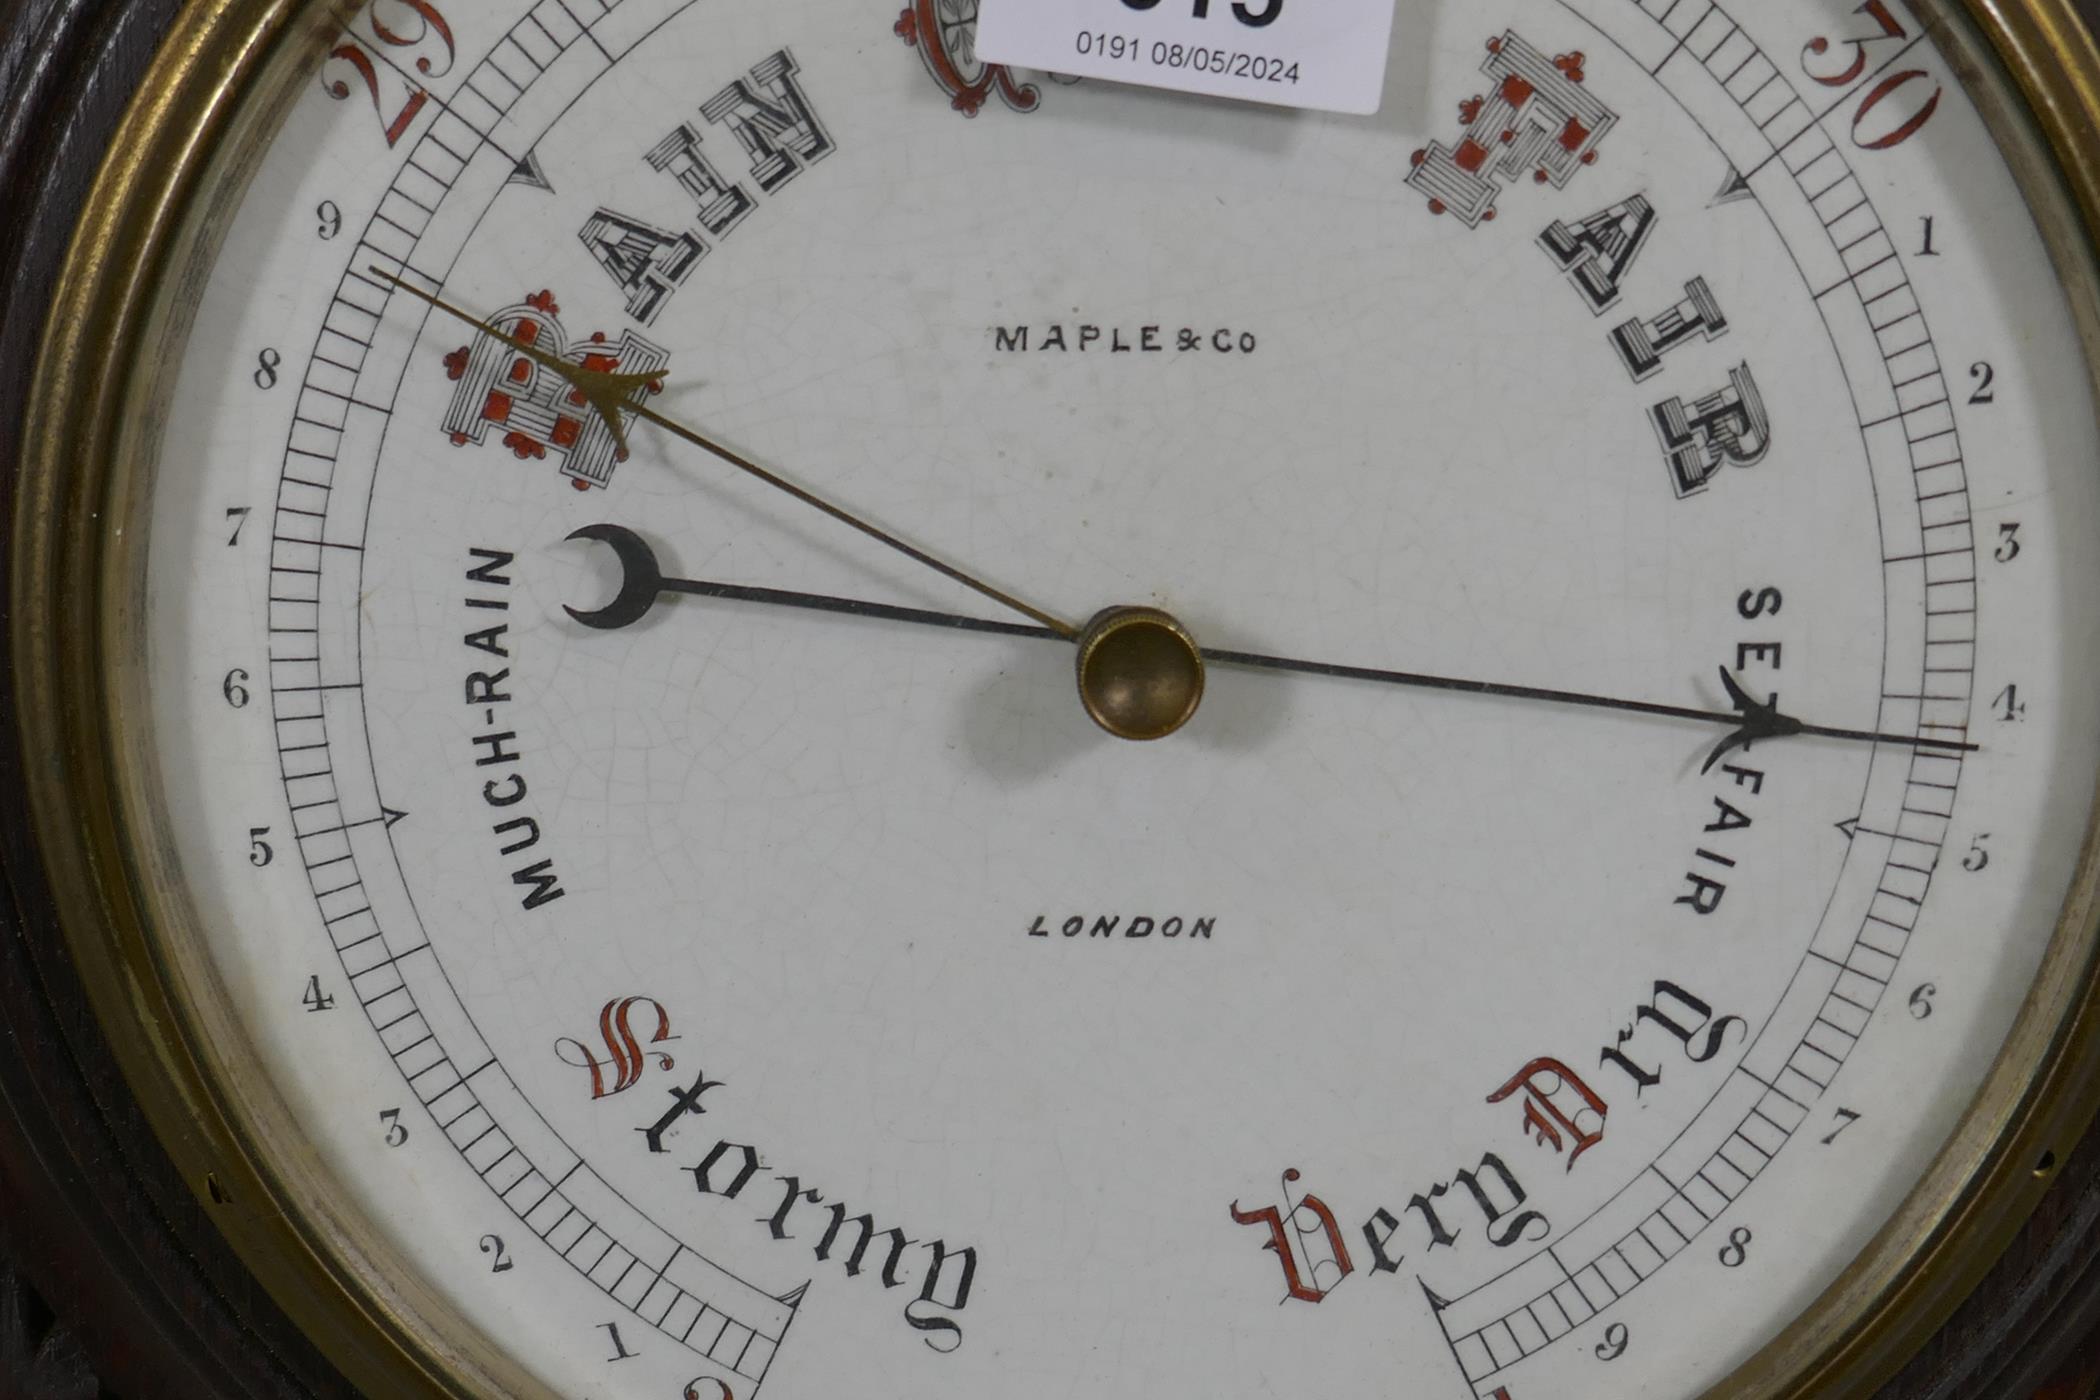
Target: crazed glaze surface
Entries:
(755, 997)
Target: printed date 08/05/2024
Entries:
(1193, 57)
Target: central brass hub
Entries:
(1140, 673)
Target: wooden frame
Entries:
(90, 1207)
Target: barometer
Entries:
(769, 698)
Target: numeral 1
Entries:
(620, 1351)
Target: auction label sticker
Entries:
(1329, 55)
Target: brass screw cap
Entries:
(1140, 673)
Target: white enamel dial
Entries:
(754, 998)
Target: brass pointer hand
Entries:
(614, 395)
(642, 582)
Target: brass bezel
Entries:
(176, 170)
(180, 160)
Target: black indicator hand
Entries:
(642, 582)
(1750, 721)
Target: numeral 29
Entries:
(1246, 14)
(398, 27)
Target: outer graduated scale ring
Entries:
(86, 830)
